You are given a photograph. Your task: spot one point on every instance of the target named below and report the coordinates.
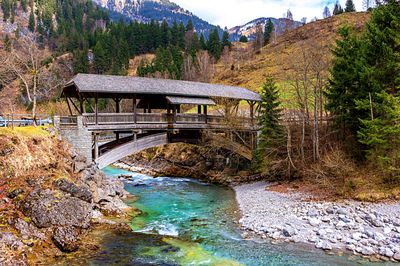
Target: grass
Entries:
(29, 131)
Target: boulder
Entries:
(47, 209)
(289, 231)
(81, 192)
(66, 238)
(396, 256)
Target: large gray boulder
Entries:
(47, 209)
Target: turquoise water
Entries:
(187, 222)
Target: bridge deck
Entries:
(157, 121)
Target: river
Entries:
(187, 222)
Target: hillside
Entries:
(246, 69)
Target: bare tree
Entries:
(304, 21)
(259, 38)
(200, 68)
(289, 22)
(367, 4)
(24, 61)
(327, 12)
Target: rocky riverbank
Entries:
(50, 198)
(364, 229)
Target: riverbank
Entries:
(364, 229)
(51, 198)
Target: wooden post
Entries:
(117, 105)
(81, 105)
(96, 108)
(174, 109)
(205, 113)
(199, 109)
(135, 109)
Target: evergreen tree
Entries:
(203, 44)
(269, 29)
(101, 62)
(81, 63)
(31, 25)
(189, 26)
(337, 10)
(272, 136)
(225, 40)
(243, 39)
(365, 76)
(214, 44)
(350, 7)
(381, 136)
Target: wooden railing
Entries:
(161, 119)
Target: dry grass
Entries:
(275, 59)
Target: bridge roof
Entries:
(112, 85)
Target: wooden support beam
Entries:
(117, 105)
(135, 108)
(199, 109)
(96, 109)
(205, 113)
(76, 107)
(69, 106)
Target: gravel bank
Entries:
(363, 228)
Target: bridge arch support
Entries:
(134, 146)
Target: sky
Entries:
(232, 13)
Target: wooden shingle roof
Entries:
(105, 84)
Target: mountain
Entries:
(158, 10)
(249, 29)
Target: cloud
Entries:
(231, 13)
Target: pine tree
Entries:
(225, 40)
(381, 136)
(350, 7)
(243, 39)
(337, 10)
(214, 44)
(100, 58)
(272, 136)
(364, 70)
(203, 44)
(189, 26)
(31, 25)
(81, 63)
(268, 31)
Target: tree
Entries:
(101, 62)
(304, 21)
(214, 44)
(259, 38)
(225, 40)
(203, 44)
(31, 25)
(289, 22)
(368, 4)
(365, 69)
(243, 39)
(268, 31)
(189, 26)
(381, 135)
(272, 136)
(24, 61)
(337, 10)
(327, 12)
(350, 7)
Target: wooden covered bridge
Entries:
(112, 117)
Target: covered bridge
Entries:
(126, 110)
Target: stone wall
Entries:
(78, 136)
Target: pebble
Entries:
(365, 228)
